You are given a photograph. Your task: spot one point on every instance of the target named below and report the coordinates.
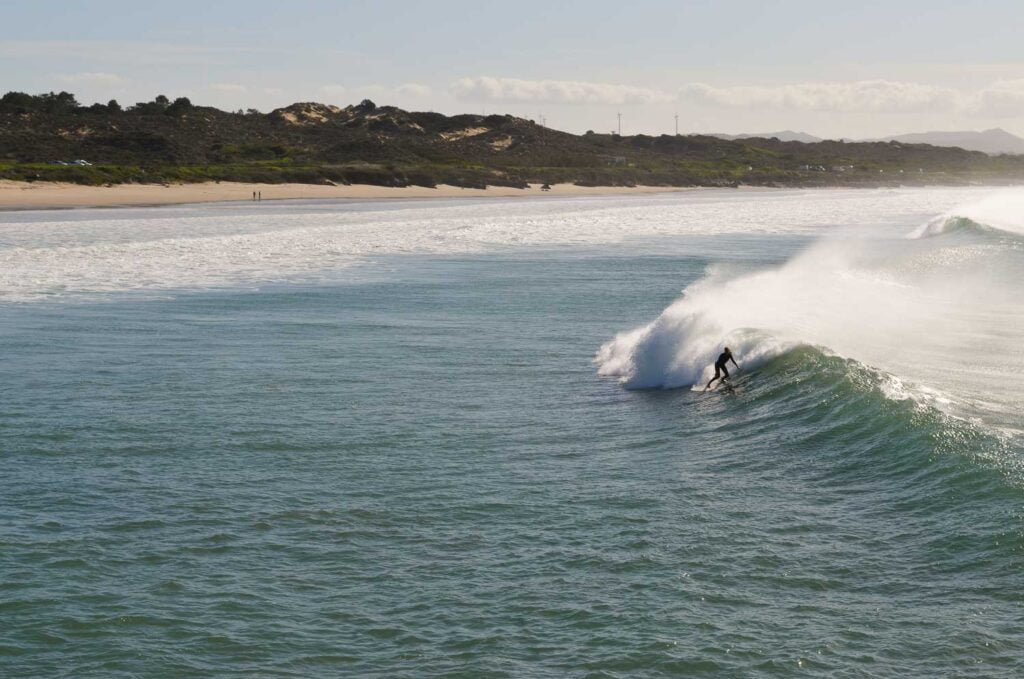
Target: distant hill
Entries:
(51, 137)
(992, 141)
(784, 135)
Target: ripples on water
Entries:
(413, 470)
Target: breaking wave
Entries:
(1002, 213)
(939, 314)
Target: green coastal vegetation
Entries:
(51, 137)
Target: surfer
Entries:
(720, 368)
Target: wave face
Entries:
(941, 312)
(1001, 212)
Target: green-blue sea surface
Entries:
(411, 466)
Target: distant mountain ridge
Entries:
(992, 142)
(783, 135)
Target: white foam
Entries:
(1002, 210)
(79, 252)
(945, 316)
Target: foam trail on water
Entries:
(87, 253)
(941, 313)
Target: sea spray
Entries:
(938, 313)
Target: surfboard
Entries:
(724, 387)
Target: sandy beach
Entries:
(42, 195)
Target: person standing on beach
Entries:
(720, 368)
(254, 196)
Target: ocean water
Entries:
(462, 438)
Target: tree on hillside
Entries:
(180, 106)
(18, 102)
(158, 105)
(62, 102)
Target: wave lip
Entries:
(678, 349)
(940, 315)
(947, 224)
(1002, 212)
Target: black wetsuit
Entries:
(720, 368)
(720, 365)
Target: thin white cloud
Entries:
(1001, 99)
(414, 89)
(865, 96)
(515, 90)
(94, 78)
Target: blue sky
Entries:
(830, 68)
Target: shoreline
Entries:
(16, 195)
